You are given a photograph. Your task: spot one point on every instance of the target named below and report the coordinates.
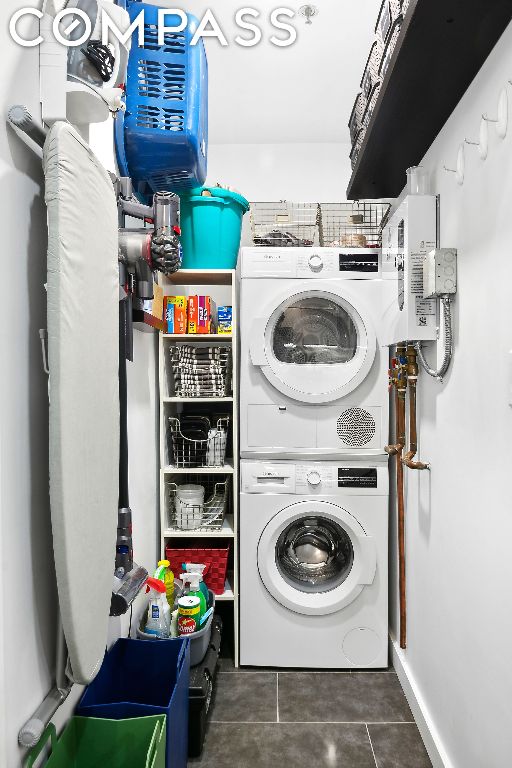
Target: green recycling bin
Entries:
(90, 742)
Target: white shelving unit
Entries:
(221, 285)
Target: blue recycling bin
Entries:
(139, 678)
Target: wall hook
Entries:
(489, 119)
(472, 143)
(449, 170)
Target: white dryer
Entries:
(313, 366)
(314, 564)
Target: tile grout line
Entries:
(311, 722)
(371, 745)
(303, 672)
(277, 695)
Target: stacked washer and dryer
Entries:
(314, 478)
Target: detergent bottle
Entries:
(198, 568)
(159, 620)
(164, 573)
(194, 590)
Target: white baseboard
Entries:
(426, 727)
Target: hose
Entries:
(448, 344)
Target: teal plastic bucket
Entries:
(211, 228)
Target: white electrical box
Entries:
(407, 238)
(440, 273)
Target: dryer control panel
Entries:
(312, 478)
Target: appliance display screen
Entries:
(357, 478)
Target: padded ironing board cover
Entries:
(83, 352)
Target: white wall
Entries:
(265, 172)
(459, 516)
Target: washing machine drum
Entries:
(314, 554)
(315, 558)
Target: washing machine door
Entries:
(315, 558)
(314, 344)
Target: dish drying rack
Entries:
(203, 371)
(208, 516)
(193, 449)
(350, 224)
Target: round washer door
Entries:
(314, 345)
(315, 558)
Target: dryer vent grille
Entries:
(356, 427)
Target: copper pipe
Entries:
(412, 380)
(401, 517)
(398, 380)
(393, 450)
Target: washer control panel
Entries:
(311, 478)
(315, 478)
(312, 262)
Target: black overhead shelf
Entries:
(442, 45)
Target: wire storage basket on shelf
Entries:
(353, 224)
(201, 371)
(186, 509)
(285, 224)
(195, 442)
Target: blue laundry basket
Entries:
(139, 678)
(162, 138)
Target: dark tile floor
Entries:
(298, 719)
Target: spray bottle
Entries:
(159, 614)
(164, 573)
(199, 569)
(194, 590)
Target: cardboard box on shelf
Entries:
(225, 320)
(176, 314)
(201, 315)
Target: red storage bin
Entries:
(216, 561)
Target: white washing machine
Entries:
(314, 564)
(313, 366)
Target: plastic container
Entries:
(417, 180)
(88, 742)
(189, 503)
(140, 678)
(211, 227)
(215, 560)
(162, 138)
(199, 641)
(158, 620)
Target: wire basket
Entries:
(206, 516)
(390, 11)
(193, 442)
(201, 371)
(356, 117)
(370, 76)
(353, 224)
(370, 105)
(285, 224)
(390, 47)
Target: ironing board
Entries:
(83, 333)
